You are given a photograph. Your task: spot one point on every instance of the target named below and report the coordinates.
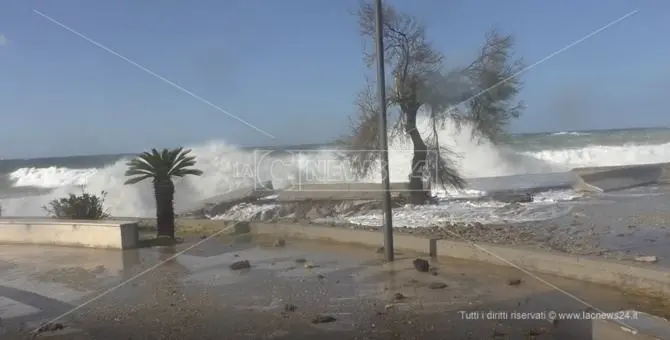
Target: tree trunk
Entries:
(418, 194)
(164, 192)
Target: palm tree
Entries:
(161, 166)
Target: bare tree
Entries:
(420, 85)
(495, 81)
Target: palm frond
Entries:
(137, 179)
(185, 172)
(161, 165)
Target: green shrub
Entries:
(78, 207)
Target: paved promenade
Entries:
(286, 290)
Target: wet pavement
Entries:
(623, 225)
(197, 295)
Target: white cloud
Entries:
(3, 40)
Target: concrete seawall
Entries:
(592, 179)
(80, 233)
(623, 177)
(511, 188)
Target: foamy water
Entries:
(227, 168)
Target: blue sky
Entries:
(293, 67)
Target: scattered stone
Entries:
(632, 226)
(48, 327)
(380, 250)
(513, 198)
(310, 265)
(433, 271)
(437, 285)
(514, 282)
(320, 276)
(244, 264)
(241, 228)
(399, 296)
(421, 265)
(279, 243)
(289, 307)
(497, 333)
(536, 331)
(323, 319)
(300, 260)
(649, 259)
(620, 235)
(412, 283)
(389, 306)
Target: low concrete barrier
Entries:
(528, 183)
(590, 269)
(92, 234)
(613, 178)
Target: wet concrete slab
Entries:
(197, 295)
(624, 225)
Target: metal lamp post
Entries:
(383, 139)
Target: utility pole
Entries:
(383, 136)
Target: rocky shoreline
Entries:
(262, 203)
(581, 232)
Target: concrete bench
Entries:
(81, 233)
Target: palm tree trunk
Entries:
(164, 193)
(418, 194)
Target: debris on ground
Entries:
(242, 227)
(536, 331)
(244, 264)
(497, 333)
(279, 243)
(649, 259)
(398, 296)
(437, 285)
(421, 265)
(300, 260)
(48, 327)
(514, 282)
(289, 307)
(323, 319)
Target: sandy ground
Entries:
(197, 295)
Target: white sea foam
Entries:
(598, 155)
(226, 168)
(51, 177)
(570, 133)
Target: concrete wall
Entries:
(93, 234)
(612, 178)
